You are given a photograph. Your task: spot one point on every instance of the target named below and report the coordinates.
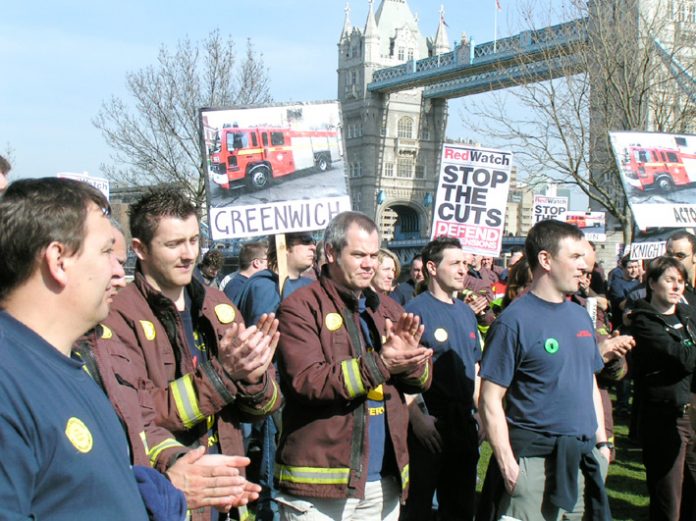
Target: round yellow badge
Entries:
(79, 435)
(333, 321)
(225, 313)
(106, 332)
(440, 335)
(148, 329)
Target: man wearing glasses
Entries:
(682, 246)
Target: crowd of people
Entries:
(310, 385)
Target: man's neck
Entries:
(294, 273)
(59, 329)
(545, 290)
(440, 293)
(174, 293)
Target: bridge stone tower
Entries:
(392, 141)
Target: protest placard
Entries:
(549, 207)
(658, 172)
(273, 168)
(471, 197)
(99, 183)
(593, 224)
(647, 250)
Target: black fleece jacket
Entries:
(664, 357)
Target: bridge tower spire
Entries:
(393, 140)
(441, 43)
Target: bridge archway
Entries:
(402, 221)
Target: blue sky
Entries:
(60, 59)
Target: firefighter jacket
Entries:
(187, 398)
(131, 402)
(326, 373)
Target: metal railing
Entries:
(542, 44)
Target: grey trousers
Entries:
(529, 502)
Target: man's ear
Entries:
(329, 253)
(139, 248)
(53, 261)
(544, 258)
(431, 268)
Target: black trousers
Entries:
(670, 463)
(452, 473)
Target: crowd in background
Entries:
(311, 384)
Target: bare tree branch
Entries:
(563, 134)
(155, 136)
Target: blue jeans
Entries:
(266, 508)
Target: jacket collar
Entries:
(644, 307)
(158, 301)
(340, 293)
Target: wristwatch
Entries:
(609, 445)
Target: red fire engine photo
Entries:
(659, 169)
(254, 157)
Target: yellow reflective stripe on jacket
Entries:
(351, 375)
(424, 377)
(312, 475)
(266, 408)
(143, 438)
(186, 401)
(244, 514)
(155, 451)
(405, 478)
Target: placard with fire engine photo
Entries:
(593, 224)
(273, 168)
(658, 172)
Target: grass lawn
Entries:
(628, 494)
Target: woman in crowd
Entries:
(664, 359)
(387, 272)
(519, 280)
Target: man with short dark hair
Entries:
(253, 257)
(540, 404)
(407, 290)
(203, 369)
(263, 292)
(682, 246)
(622, 285)
(345, 358)
(64, 453)
(443, 442)
(205, 480)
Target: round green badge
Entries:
(551, 346)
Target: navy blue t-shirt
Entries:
(546, 356)
(404, 292)
(375, 402)
(451, 332)
(64, 452)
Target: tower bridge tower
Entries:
(393, 141)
